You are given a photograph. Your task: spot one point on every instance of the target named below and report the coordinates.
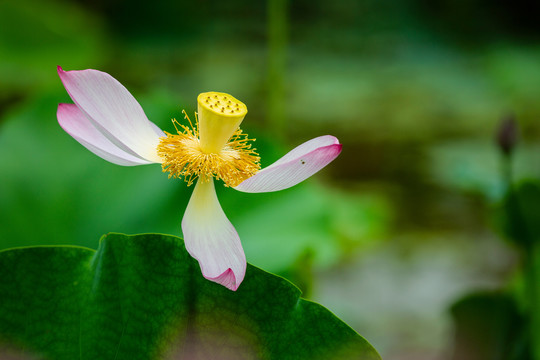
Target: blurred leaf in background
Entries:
(36, 35)
(489, 326)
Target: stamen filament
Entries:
(183, 156)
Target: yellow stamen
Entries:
(183, 156)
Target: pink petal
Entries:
(296, 166)
(76, 124)
(113, 110)
(211, 238)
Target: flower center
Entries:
(192, 153)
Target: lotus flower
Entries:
(107, 120)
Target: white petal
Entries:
(114, 111)
(296, 166)
(157, 130)
(211, 238)
(76, 124)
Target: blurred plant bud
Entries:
(507, 134)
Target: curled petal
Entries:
(113, 111)
(211, 238)
(296, 166)
(76, 124)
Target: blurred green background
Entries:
(389, 235)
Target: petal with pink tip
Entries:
(76, 124)
(293, 168)
(211, 238)
(113, 110)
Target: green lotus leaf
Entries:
(143, 297)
